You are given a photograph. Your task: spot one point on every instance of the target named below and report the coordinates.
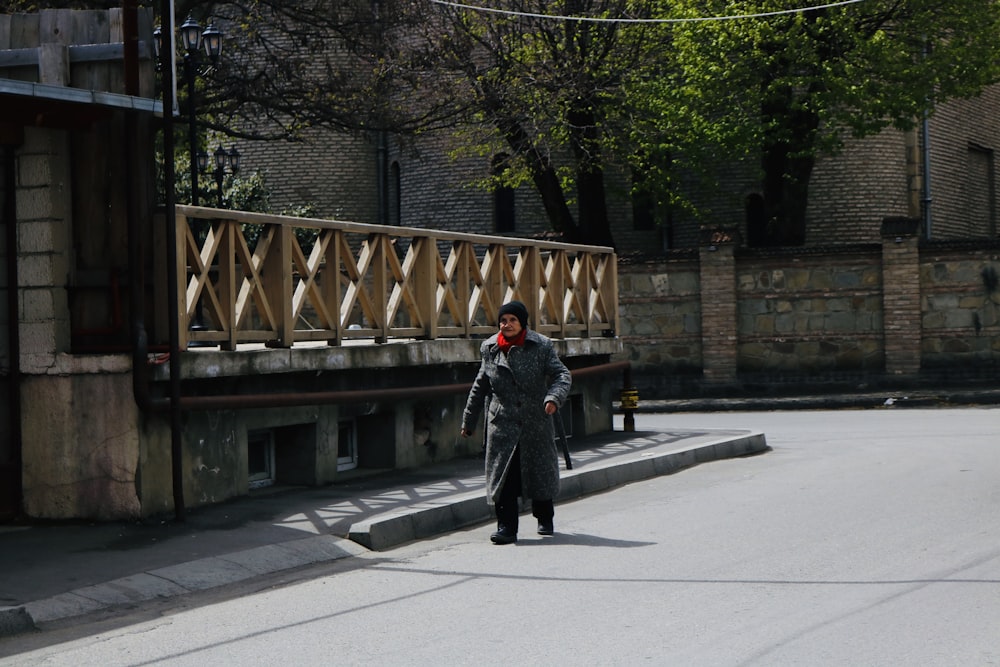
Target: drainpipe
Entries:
(173, 321)
(13, 319)
(926, 141)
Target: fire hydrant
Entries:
(629, 401)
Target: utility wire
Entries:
(695, 19)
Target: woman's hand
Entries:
(550, 408)
(466, 434)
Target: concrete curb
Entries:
(198, 575)
(887, 399)
(423, 521)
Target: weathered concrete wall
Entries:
(81, 440)
(416, 430)
(91, 453)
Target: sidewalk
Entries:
(55, 572)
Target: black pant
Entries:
(507, 504)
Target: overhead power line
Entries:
(693, 19)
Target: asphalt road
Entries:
(863, 538)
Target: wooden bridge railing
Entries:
(305, 279)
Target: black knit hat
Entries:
(517, 309)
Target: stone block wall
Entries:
(960, 307)
(810, 314)
(902, 311)
(660, 319)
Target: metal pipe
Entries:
(256, 401)
(9, 214)
(926, 140)
(189, 71)
(169, 178)
(602, 369)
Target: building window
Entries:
(260, 458)
(503, 197)
(981, 211)
(347, 446)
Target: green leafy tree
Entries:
(550, 88)
(568, 99)
(784, 88)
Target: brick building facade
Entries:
(850, 193)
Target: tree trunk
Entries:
(788, 158)
(594, 226)
(786, 194)
(543, 175)
(585, 141)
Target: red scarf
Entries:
(506, 343)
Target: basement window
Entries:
(347, 446)
(260, 458)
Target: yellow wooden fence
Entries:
(307, 279)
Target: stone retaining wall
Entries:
(904, 311)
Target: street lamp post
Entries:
(225, 160)
(193, 39)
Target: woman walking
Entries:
(523, 382)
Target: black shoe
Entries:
(503, 536)
(545, 528)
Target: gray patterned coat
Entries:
(517, 386)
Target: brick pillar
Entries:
(718, 305)
(901, 296)
(44, 247)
